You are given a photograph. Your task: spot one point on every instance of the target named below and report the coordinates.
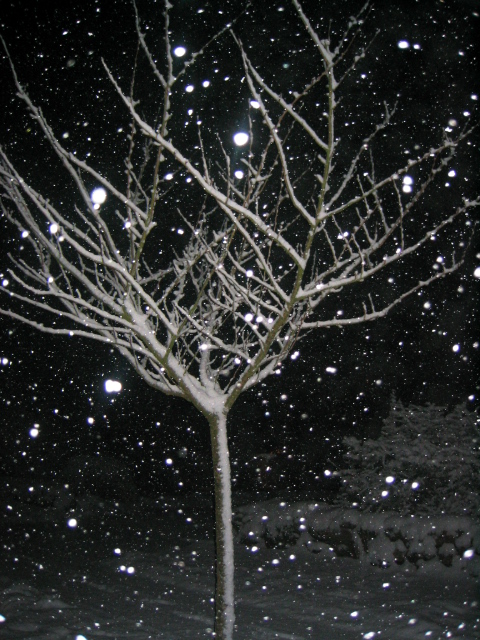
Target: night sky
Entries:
(58, 383)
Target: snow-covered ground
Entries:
(146, 570)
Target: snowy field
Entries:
(145, 570)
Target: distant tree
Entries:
(426, 460)
(270, 237)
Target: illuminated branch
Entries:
(258, 261)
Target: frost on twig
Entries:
(205, 265)
(259, 260)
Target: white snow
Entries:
(57, 582)
(98, 196)
(179, 51)
(241, 138)
(113, 386)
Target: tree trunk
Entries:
(224, 588)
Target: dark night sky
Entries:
(59, 384)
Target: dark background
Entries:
(58, 384)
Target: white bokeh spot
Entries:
(241, 138)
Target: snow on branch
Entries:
(208, 262)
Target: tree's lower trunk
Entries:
(224, 589)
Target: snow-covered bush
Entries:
(380, 539)
(425, 461)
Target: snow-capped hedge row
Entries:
(382, 539)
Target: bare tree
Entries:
(267, 246)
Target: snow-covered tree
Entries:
(426, 460)
(272, 227)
